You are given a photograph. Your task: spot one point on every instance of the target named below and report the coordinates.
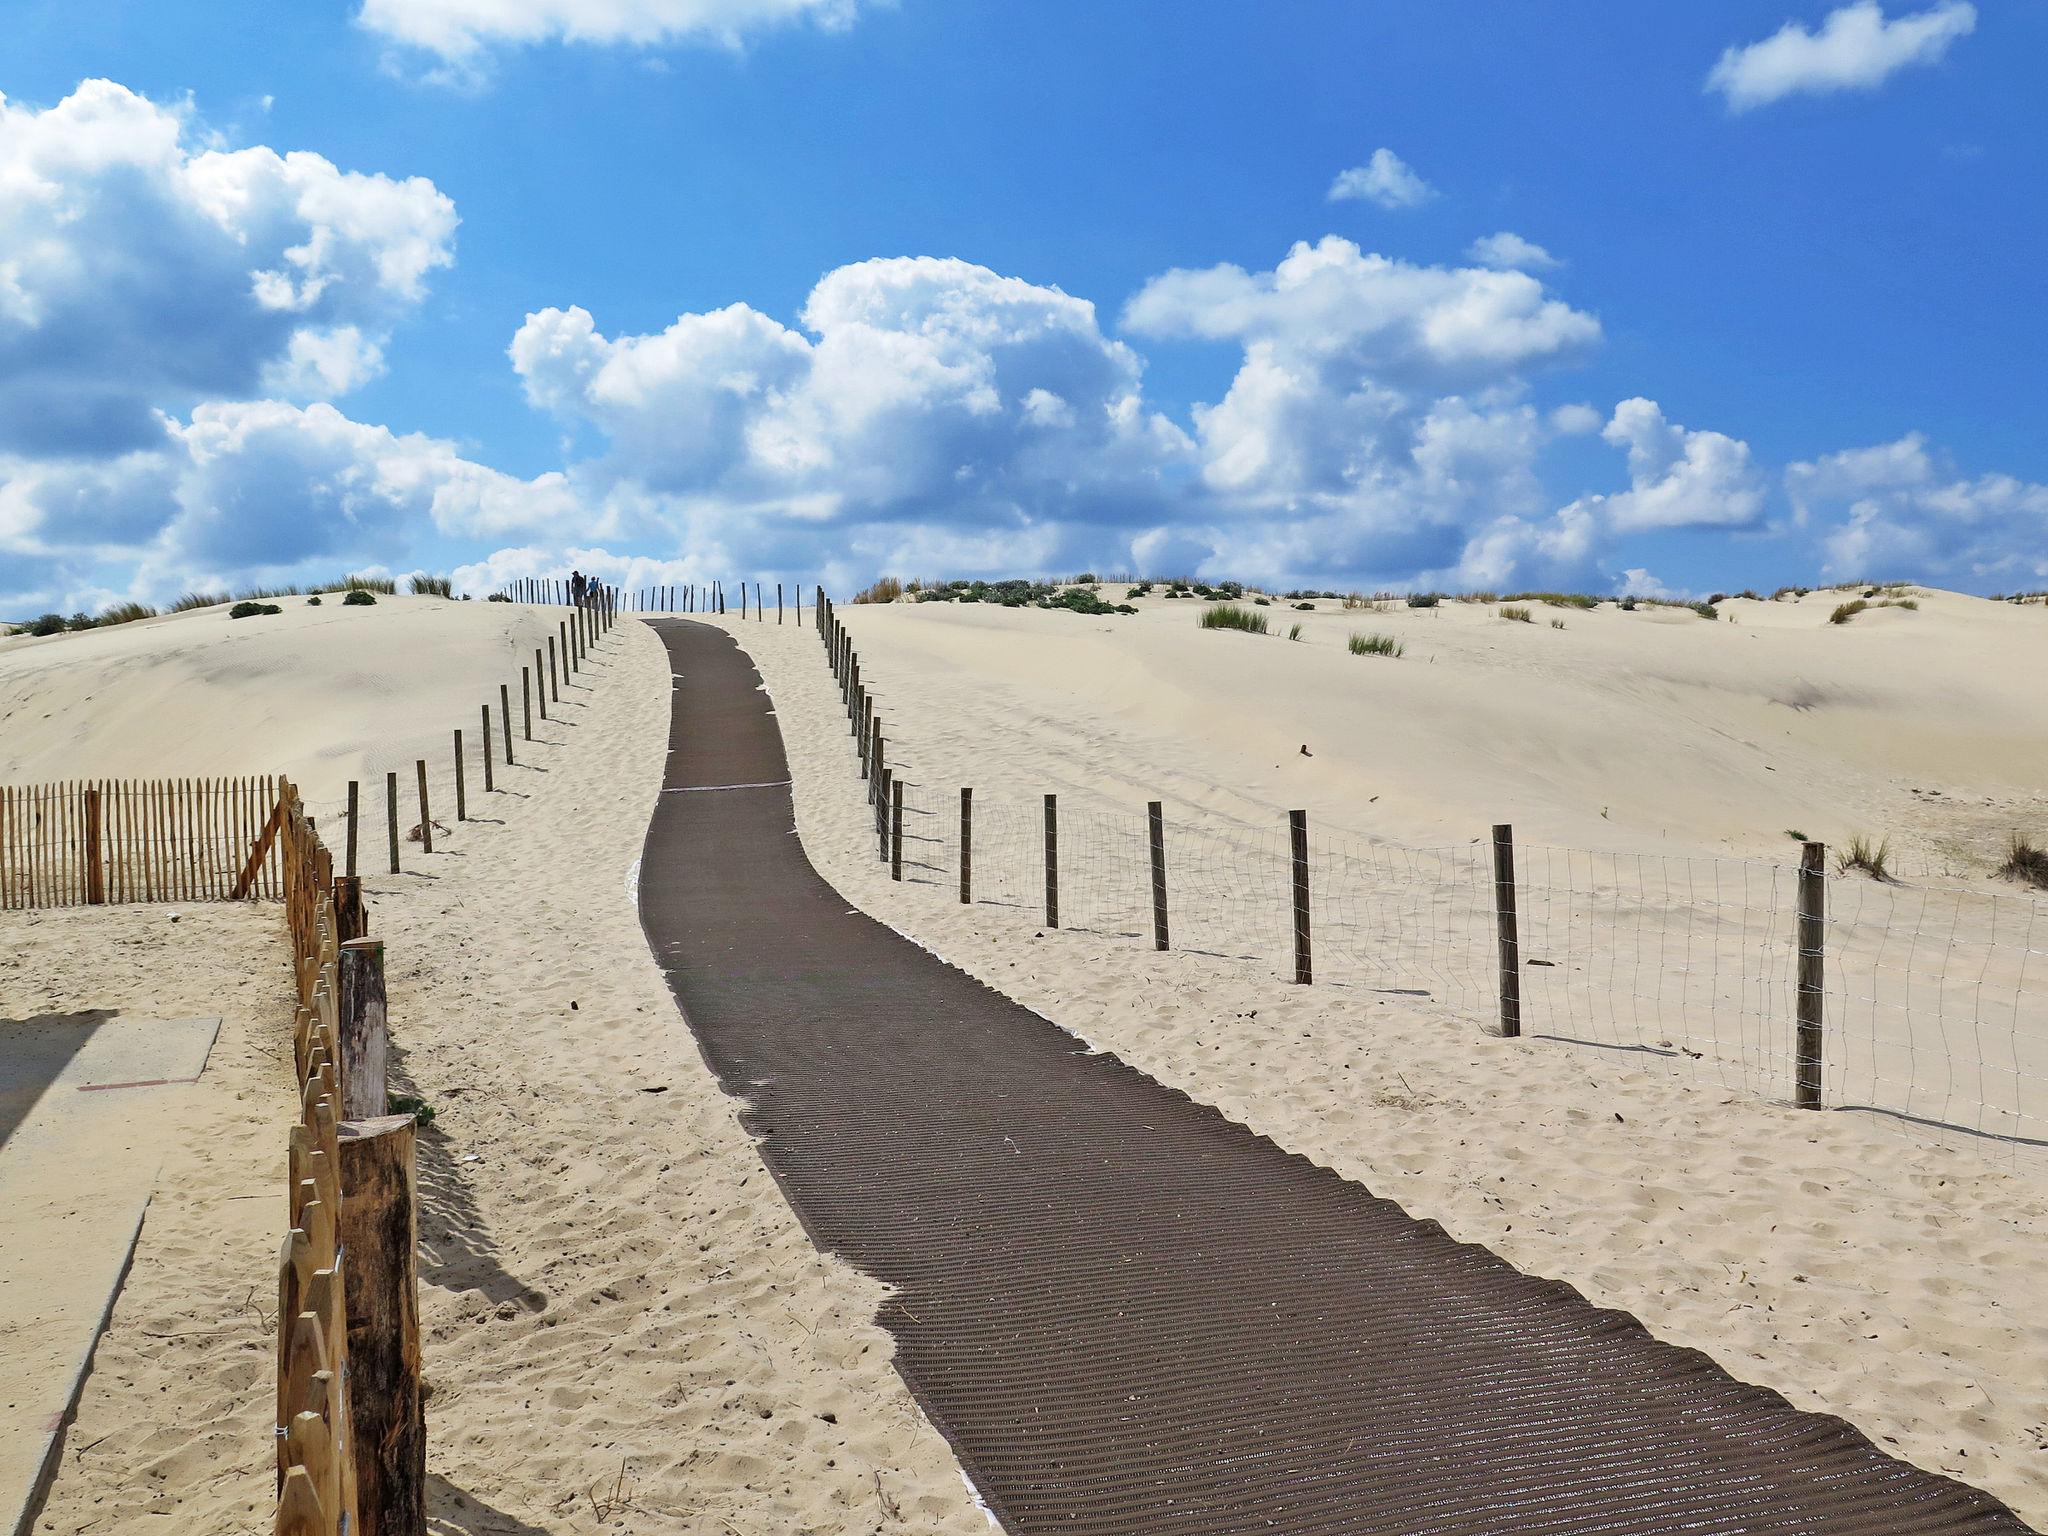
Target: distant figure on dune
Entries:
(576, 588)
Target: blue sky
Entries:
(1773, 311)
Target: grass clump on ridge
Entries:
(193, 600)
(2026, 863)
(432, 586)
(1518, 615)
(1873, 859)
(1233, 616)
(1376, 645)
(886, 589)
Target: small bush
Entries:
(249, 610)
(193, 600)
(497, 597)
(1424, 599)
(358, 597)
(1556, 599)
(885, 590)
(1704, 610)
(313, 601)
(1519, 615)
(1628, 605)
(1873, 859)
(2026, 863)
(1085, 579)
(1376, 645)
(1231, 616)
(1257, 602)
(43, 624)
(1305, 607)
(1844, 612)
(79, 621)
(432, 586)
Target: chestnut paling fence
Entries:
(1925, 1003)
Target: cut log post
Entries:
(353, 807)
(351, 921)
(485, 754)
(1297, 829)
(966, 845)
(461, 783)
(380, 1243)
(363, 1034)
(540, 691)
(882, 815)
(896, 829)
(1809, 1046)
(426, 811)
(95, 867)
(1052, 861)
(505, 718)
(1155, 816)
(526, 703)
(1508, 931)
(391, 815)
(554, 677)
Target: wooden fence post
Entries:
(1052, 861)
(540, 684)
(95, 864)
(966, 845)
(1813, 918)
(461, 787)
(1508, 930)
(379, 1232)
(486, 753)
(525, 704)
(351, 919)
(896, 829)
(1297, 831)
(554, 680)
(353, 807)
(885, 785)
(391, 815)
(426, 814)
(505, 719)
(1155, 816)
(362, 1030)
(778, 602)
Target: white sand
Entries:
(1855, 1269)
(610, 1280)
(615, 1279)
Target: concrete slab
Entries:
(87, 1104)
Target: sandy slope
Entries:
(1829, 1257)
(625, 1328)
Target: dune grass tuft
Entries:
(1873, 859)
(125, 613)
(1376, 645)
(885, 590)
(424, 585)
(2026, 863)
(1518, 615)
(1233, 616)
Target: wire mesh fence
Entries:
(1930, 995)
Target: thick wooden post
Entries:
(486, 753)
(884, 785)
(871, 761)
(778, 602)
(426, 812)
(351, 918)
(1155, 816)
(461, 786)
(1297, 833)
(525, 704)
(505, 718)
(896, 829)
(966, 845)
(1508, 930)
(362, 1032)
(1052, 861)
(540, 687)
(554, 678)
(95, 859)
(353, 807)
(379, 1232)
(391, 815)
(1813, 922)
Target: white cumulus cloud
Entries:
(1509, 251)
(1385, 179)
(1856, 48)
(458, 31)
(1680, 478)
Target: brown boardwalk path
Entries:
(1130, 1315)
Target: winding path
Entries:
(1130, 1315)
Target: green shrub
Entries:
(1231, 616)
(313, 601)
(358, 597)
(432, 586)
(1704, 610)
(43, 624)
(249, 610)
(1519, 615)
(79, 621)
(497, 597)
(1556, 599)
(1376, 645)
(1424, 599)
